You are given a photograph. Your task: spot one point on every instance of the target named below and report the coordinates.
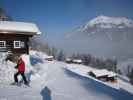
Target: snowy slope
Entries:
(83, 71)
(54, 81)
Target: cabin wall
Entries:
(10, 38)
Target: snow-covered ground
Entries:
(122, 82)
(53, 80)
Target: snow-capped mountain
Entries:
(104, 24)
(104, 36)
(108, 22)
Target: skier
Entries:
(21, 71)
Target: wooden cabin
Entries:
(77, 61)
(14, 36)
(68, 60)
(103, 75)
(49, 58)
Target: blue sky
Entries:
(55, 17)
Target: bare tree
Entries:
(61, 56)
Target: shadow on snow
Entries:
(46, 94)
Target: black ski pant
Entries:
(23, 76)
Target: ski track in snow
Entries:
(58, 83)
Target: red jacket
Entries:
(21, 66)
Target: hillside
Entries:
(53, 80)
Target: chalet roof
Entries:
(20, 27)
(49, 57)
(68, 59)
(77, 60)
(103, 72)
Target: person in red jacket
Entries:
(21, 71)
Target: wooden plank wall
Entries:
(10, 38)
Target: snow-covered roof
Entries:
(49, 57)
(68, 59)
(103, 72)
(20, 27)
(111, 74)
(77, 60)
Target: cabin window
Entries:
(17, 44)
(2, 44)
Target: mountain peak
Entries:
(109, 22)
(102, 17)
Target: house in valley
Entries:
(74, 61)
(49, 58)
(14, 36)
(69, 60)
(103, 75)
(77, 61)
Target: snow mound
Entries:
(6, 69)
(37, 60)
(37, 54)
